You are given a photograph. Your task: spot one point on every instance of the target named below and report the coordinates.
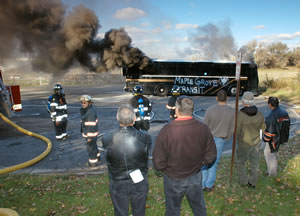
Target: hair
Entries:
(273, 101)
(222, 96)
(185, 105)
(125, 114)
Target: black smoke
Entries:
(55, 40)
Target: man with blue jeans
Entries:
(220, 120)
(182, 147)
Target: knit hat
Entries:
(248, 98)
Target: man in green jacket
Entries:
(249, 123)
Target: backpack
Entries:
(141, 107)
(284, 129)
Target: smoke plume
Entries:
(212, 42)
(54, 40)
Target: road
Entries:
(70, 155)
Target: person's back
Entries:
(127, 157)
(276, 133)
(126, 150)
(182, 147)
(220, 119)
(278, 123)
(250, 122)
(188, 141)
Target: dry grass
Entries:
(281, 83)
(278, 73)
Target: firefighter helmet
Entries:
(85, 98)
(138, 90)
(175, 90)
(58, 89)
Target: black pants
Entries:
(92, 148)
(60, 129)
(124, 192)
(176, 189)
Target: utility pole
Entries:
(237, 95)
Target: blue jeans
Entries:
(123, 192)
(176, 189)
(209, 171)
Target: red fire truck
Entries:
(10, 97)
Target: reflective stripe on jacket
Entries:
(58, 108)
(89, 122)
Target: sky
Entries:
(179, 29)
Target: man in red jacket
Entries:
(182, 148)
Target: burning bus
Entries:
(10, 97)
(192, 77)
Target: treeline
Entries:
(275, 55)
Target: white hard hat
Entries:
(85, 98)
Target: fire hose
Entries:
(32, 161)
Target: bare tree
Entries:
(271, 56)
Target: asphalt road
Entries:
(70, 155)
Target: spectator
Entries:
(220, 120)
(182, 148)
(249, 123)
(127, 161)
(276, 133)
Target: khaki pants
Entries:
(271, 160)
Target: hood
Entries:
(250, 111)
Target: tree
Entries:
(294, 57)
(271, 56)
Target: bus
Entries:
(192, 77)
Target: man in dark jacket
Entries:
(127, 161)
(89, 129)
(142, 108)
(182, 147)
(59, 112)
(276, 133)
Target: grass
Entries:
(281, 83)
(89, 195)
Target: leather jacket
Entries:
(126, 151)
(277, 131)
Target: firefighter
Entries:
(59, 112)
(172, 101)
(142, 109)
(89, 129)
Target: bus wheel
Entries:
(232, 91)
(162, 90)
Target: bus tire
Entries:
(161, 90)
(232, 91)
